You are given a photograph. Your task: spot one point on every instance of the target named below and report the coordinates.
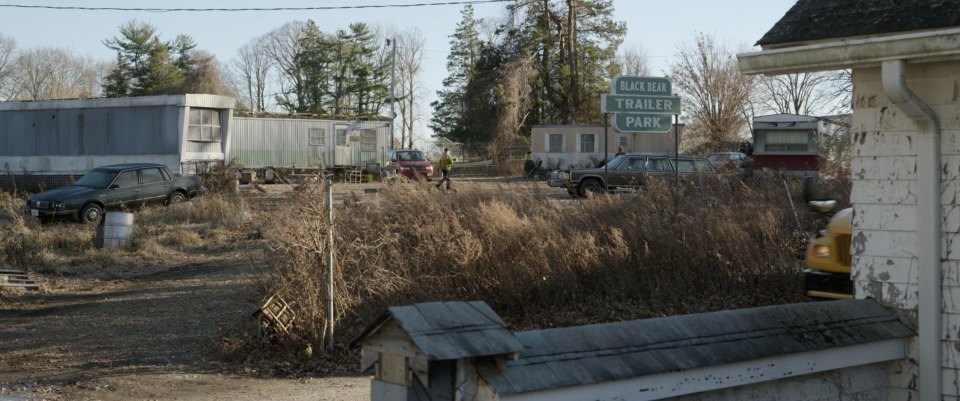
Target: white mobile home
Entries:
(308, 143)
(565, 146)
(51, 140)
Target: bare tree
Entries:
(713, 89)
(633, 61)
(251, 71)
(800, 93)
(284, 44)
(53, 73)
(409, 66)
(7, 48)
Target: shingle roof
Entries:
(603, 352)
(810, 20)
(452, 330)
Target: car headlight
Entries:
(563, 175)
(821, 251)
(56, 205)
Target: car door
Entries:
(658, 166)
(629, 173)
(155, 185)
(124, 192)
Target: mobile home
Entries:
(308, 143)
(48, 141)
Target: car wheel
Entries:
(176, 197)
(91, 213)
(592, 187)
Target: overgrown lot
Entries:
(539, 258)
(714, 244)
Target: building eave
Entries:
(843, 53)
(187, 100)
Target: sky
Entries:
(658, 28)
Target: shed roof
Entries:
(810, 20)
(596, 353)
(451, 330)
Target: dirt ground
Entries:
(147, 338)
(152, 336)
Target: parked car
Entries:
(631, 171)
(113, 187)
(410, 163)
(731, 162)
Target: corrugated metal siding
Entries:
(262, 142)
(92, 131)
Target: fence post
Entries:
(792, 208)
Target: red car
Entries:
(411, 163)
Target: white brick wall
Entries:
(884, 195)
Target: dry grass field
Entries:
(539, 257)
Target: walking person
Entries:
(446, 162)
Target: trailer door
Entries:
(341, 153)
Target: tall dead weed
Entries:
(706, 246)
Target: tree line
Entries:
(548, 61)
(543, 62)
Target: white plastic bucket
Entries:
(117, 229)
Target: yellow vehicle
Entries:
(828, 257)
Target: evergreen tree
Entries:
(162, 77)
(448, 119)
(145, 64)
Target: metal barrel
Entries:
(117, 229)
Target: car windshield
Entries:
(411, 156)
(96, 178)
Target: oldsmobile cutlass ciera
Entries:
(116, 186)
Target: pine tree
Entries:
(145, 65)
(449, 109)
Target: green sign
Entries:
(639, 104)
(635, 122)
(624, 85)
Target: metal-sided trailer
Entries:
(271, 144)
(49, 142)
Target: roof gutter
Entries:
(928, 223)
(924, 46)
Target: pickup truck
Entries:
(115, 186)
(631, 171)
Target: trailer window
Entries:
(587, 143)
(555, 143)
(204, 125)
(341, 137)
(368, 140)
(787, 141)
(318, 136)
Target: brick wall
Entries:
(884, 197)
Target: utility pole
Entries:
(393, 79)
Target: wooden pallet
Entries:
(16, 278)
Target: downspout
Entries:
(928, 226)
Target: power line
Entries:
(319, 8)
